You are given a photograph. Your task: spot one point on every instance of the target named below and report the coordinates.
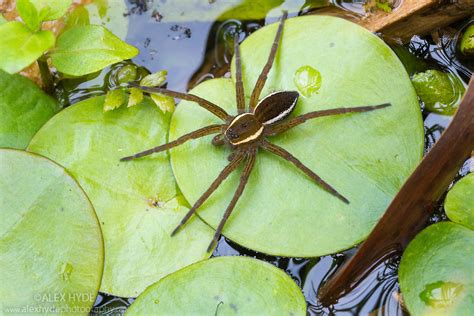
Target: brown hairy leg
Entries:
(208, 130)
(286, 125)
(277, 150)
(213, 187)
(239, 84)
(268, 66)
(208, 105)
(240, 189)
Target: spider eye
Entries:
(244, 125)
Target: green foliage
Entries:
(223, 286)
(50, 239)
(366, 157)
(24, 109)
(165, 103)
(135, 97)
(20, 47)
(412, 63)
(436, 271)
(2, 19)
(467, 41)
(86, 49)
(51, 9)
(440, 92)
(29, 14)
(137, 202)
(114, 99)
(459, 203)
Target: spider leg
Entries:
(222, 176)
(240, 189)
(268, 66)
(211, 129)
(211, 107)
(239, 84)
(284, 126)
(277, 150)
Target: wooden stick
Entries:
(411, 208)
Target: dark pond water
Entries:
(196, 51)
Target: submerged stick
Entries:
(411, 208)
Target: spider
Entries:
(248, 131)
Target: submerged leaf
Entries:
(467, 41)
(223, 286)
(436, 271)
(51, 247)
(21, 47)
(137, 202)
(24, 109)
(440, 92)
(114, 99)
(459, 203)
(365, 156)
(86, 49)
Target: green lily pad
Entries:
(223, 286)
(51, 247)
(137, 202)
(24, 107)
(459, 203)
(436, 271)
(366, 157)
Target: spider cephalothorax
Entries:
(249, 130)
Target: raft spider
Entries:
(247, 131)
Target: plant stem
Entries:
(46, 76)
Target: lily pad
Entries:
(223, 286)
(51, 247)
(24, 107)
(137, 202)
(436, 271)
(366, 157)
(459, 204)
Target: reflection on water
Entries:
(193, 51)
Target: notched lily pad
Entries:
(24, 109)
(366, 157)
(459, 204)
(436, 271)
(223, 286)
(51, 248)
(136, 202)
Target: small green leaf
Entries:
(436, 271)
(20, 47)
(467, 41)
(384, 6)
(86, 49)
(135, 97)
(165, 103)
(52, 9)
(50, 240)
(78, 17)
(127, 74)
(440, 92)
(154, 80)
(24, 109)
(459, 203)
(114, 99)
(29, 14)
(223, 286)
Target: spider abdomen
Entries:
(276, 106)
(244, 128)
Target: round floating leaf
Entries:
(51, 248)
(85, 49)
(459, 204)
(24, 107)
(436, 271)
(365, 156)
(20, 47)
(137, 201)
(223, 286)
